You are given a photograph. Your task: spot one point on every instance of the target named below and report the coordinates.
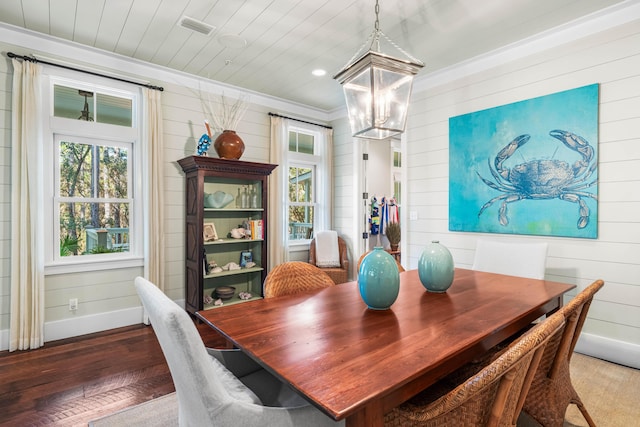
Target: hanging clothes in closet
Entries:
(382, 213)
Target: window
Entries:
(92, 198)
(93, 204)
(305, 170)
(396, 170)
(301, 202)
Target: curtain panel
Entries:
(155, 189)
(26, 324)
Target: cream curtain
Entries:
(277, 227)
(325, 180)
(155, 163)
(26, 325)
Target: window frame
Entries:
(102, 134)
(315, 163)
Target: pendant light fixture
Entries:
(377, 87)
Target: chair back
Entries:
(293, 277)
(338, 274)
(492, 397)
(199, 379)
(514, 259)
(551, 391)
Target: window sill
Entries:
(92, 265)
(299, 245)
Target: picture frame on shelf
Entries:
(245, 257)
(209, 232)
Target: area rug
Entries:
(609, 392)
(159, 412)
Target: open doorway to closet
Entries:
(382, 174)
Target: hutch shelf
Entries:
(208, 241)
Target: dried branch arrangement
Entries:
(226, 113)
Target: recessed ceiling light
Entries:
(318, 72)
(232, 40)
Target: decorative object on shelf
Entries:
(245, 295)
(250, 264)
(377, 87)
(209, 232)
(238, 233)
(379, 279)
(207, 299)
(217, 200)
(225, 117)
(229, 145)
(224, 292)
(393, 232)
(230, 266)
(203, 144)
(245, 198)
(435, 267)
(218, 302)
(246, 257)
(216, 270)
(254, 197)
(239, 199)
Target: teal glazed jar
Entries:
(379, 279)
(435, 267)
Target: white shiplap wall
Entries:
(611, 58)
(107, 298)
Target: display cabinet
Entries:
(226, 230)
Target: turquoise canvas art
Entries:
(530, 167)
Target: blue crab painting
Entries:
(542, 179)
(528, 167)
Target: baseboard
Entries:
(620, 352)
(68, 328)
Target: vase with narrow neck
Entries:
(435, 267)
(378, 279)
(229, 145)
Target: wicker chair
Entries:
(492, 397)
(295, 276)
(400, 267)
(551, 391)
(337, 274)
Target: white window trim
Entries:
(295, 159)
(53, 126)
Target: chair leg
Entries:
(584, 411)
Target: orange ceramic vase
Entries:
(229, 145)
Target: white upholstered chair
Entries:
(514, 259)
(207, 392)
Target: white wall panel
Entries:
(611, 58)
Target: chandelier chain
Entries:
(377, 24)
(374, 40)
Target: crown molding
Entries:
(66, 52)
(602, 20)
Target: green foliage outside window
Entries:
(93, 190)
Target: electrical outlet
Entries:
(73, 304)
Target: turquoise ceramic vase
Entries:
(435, 267)
(379, 279)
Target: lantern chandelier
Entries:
(377, 87)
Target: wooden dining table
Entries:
(356, 364)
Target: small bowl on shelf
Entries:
(224, 292)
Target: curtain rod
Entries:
(301, 121)
(34, 59)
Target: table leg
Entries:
(371, 415)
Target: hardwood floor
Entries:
(70, 382)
